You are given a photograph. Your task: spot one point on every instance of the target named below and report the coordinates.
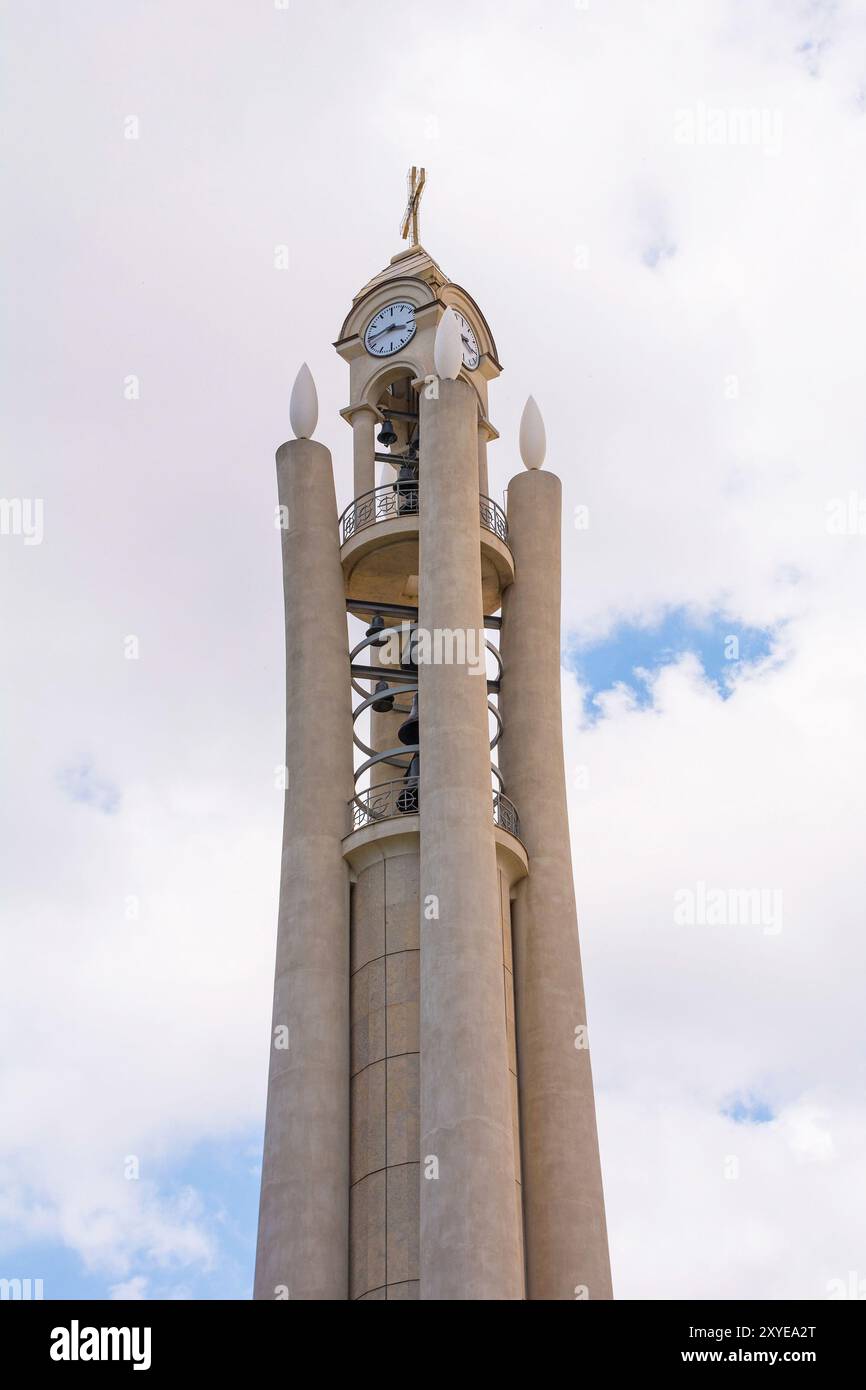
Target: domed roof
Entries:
(416, 262)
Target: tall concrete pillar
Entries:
(364, 449)
(469, 1232)
(565, 1229)
(303, 1215)
(385, 1069)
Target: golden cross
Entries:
(416, 180)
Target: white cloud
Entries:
(134, 1289)
(759, 790)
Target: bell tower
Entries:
(431, 1125)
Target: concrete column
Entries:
(565, 1229)
(385, 1070)
(364, 449)
(469, 1234)
(303, 1215)
(483, 483)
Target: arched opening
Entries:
(398, 439)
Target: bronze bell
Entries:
(387, 434)
(385, 703)
(376, 627)
(408, 472)
(406, 487)
(408, 730)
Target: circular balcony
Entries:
(385, 820)
(381, 504)
(379, 546)
(402, 798)
(493, 518)
(380, 803)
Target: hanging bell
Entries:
(408, 730)
(406, 487)
(387, 434)
(375, 628)
(385, 702)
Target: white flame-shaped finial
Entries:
(533, 440)
(448, 347)
(304, 405)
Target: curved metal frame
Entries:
(498, 717)
(375, 641)
(397, 632)
(365, 704)
(498, 659)
(386, 756)
(402, 757)
(403, 686)
(375, 757)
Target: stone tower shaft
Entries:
(431, 1127)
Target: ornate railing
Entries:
(401, 499)
(392, 499)
(504, 814)
(389, 799)
(493, 518)
(401, 798)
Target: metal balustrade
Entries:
(402, 798)
(505, 814)
(382, 503)
(399, 798)
(493, 518)
(401, 499)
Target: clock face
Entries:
(391, 329)
(471, 355)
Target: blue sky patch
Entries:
(657, 251)
(748, 1110)
(85, 787)
(225, 1176)
(721, 646)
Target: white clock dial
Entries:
(471, 354)
(391, 329)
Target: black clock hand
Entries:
(391, 328)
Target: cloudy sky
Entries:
(661, 209)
